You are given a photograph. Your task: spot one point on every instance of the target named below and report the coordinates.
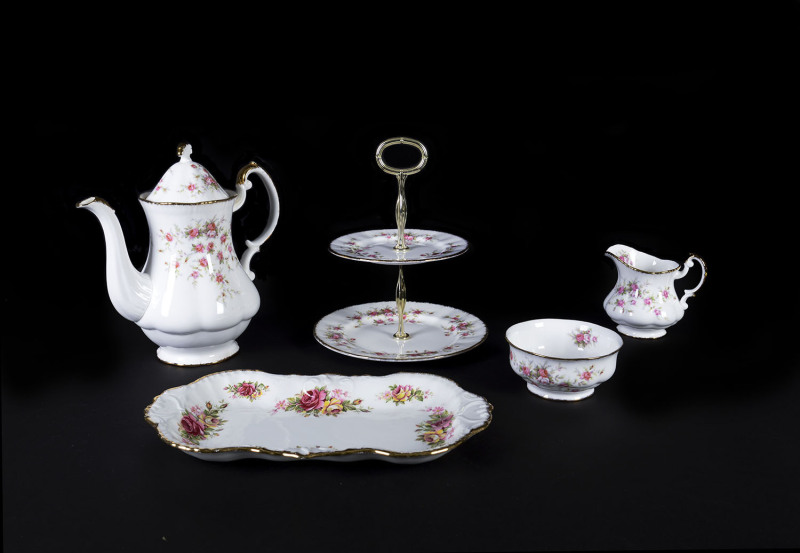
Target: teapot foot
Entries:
(646, 333)
(206, 355)
(559, 396)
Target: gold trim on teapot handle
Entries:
(242, 185)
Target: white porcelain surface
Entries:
(643, 302)
(563, 359)
(377, 246)
(367, 331)
(187, 182)
(193, 297)
(401, 418)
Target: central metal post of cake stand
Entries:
(401, 215)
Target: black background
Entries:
(541, 160)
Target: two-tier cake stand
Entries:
(399, 330)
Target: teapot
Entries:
(643, 302)
(193, 297)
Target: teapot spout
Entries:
(130, 290)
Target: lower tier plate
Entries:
(367, 331)
(400, 418)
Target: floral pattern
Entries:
(583, 338)
(201, 423)
(633, 294)
(202, 250)
(386, 315)
(201, 182)
(401, 394)
(458, 325)
(557, 378)
(363, 246)
(335, 334)
(321, 401)
(437, 429)
(247, 389)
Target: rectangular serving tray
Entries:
(401, 417)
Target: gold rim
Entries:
(563, 358)
(642, 270)
(231, 196)
(353, 451)
(510, 343)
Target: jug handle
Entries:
(682, 273)
(242, 186)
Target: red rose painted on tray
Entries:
(248, 389)
(401, 394)
(321, 401)
(437, 429)
(199, 423)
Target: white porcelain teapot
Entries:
(193, 297)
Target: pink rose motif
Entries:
(246, 389)
(191, 187)
(579, 338)
(657, 312)
(219, 256)
(543, 373)
(220, 278)
(223, 238)
(442, 423)
(195, 274)
(199, 248)
(586, 375)
(204, 262)
(211, 246)
(168, 237)
(647, 301)
(666, 294)
(621, 290)
(621, 303)
(192, 426)
(211, 226)
(594, 339)
(312, 399)
(211, 233)
(194, 232)
(401, 393)
(634, 287)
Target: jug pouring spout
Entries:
(130, 290)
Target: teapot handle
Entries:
(242, 185)
(682, 273)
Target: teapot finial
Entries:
(185, 151)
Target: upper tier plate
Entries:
(377, 246)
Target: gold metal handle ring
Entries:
(396, 142)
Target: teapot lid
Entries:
(187, 182)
